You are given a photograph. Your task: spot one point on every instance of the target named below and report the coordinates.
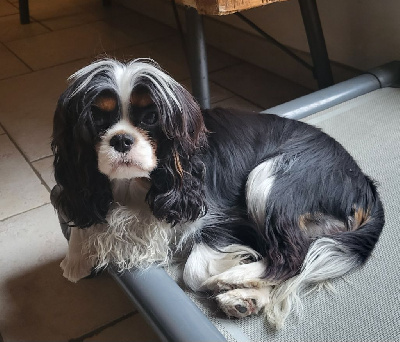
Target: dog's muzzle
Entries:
(122, 142)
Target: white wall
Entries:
(359, 33)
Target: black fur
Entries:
(322, 178)
(177, 192)
(204, 160)
(86, 195)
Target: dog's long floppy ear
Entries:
(85, 195)
(177, 191)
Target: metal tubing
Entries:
(387, 75)
(24, 12)
(197, 57)
(326, 98)
(171, 313)
(316, 42)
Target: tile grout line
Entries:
(24, 212)
(94, 57)
(9, 15)
(41, 158)
(103, 327)
(16, 56)
(238, 95)
(41, 24)
(26, 160)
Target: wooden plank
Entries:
(223, 7)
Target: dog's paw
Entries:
(76, 268)
(241, 303)
(242, 276)
(220, 283)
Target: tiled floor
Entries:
(36, 302)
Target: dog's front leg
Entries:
(77, 264)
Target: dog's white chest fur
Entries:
(132, 236)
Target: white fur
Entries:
(124, 77)
(326, 259)
(245, 275)
(77, 264)
(244, 302)
(244, 285)
(139, 161)
(258, 187)
(132, 238)
(205, 262)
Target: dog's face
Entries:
(128, 131)
(127, 121)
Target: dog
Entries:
(263, 207)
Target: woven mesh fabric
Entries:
(366, 305)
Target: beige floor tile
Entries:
(2, 131)
(237, 102)
(27, 114)
(58, 15)
(10, 65)
(6, 8)
(141, 28)
(171, 57)
(258, 85)
(132, 329)
(11, 29)
(36, 302)
(20, 188)
(45, 169)
(62, 46)
(217, 93)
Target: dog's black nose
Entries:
(122, 142)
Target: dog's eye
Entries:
(102, 119)
(150, 118)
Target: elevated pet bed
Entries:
(363, 114)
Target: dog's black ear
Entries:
(85, 195)
(177, 191)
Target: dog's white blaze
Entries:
(124, 77)
(258, 188)
(130, 75)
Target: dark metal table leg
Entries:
(197, 56)
(316, 42)
(24, 11)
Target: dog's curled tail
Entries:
(327, 258)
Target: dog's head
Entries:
(128, 121)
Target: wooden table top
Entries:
(223, 7)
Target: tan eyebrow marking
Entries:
(106, 103)
(140, 99)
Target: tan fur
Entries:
(106, 103)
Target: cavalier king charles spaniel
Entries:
(263, 208)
